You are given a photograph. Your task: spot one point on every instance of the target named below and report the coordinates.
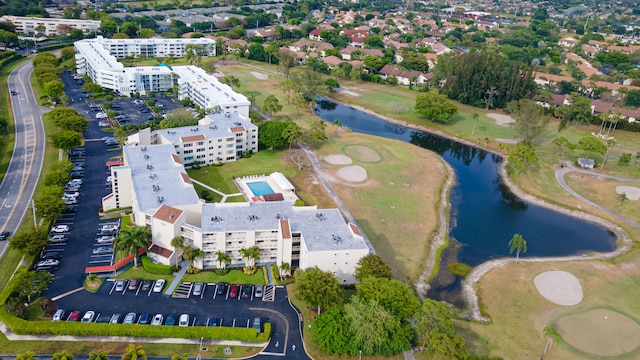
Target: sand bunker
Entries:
(507, 141)
(260, 76)
(600, 332)
(559, 287)
(633, 193)
(501, 119)
(352, 173)
(362, 153)
(338, 159)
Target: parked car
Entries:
(58, 316)
(50, 255)
(146, 285)
(68, 201)
(48, 262)
(4, 235)
(88, 317)
(233, 292)
(75, 181)
(171, 320)
(157, 319)
(213, 321)
(184, 320)
(74, 316)
(105, 239)
(60, 228)
(57, 238)
(197, 289)
(115, 318)
(103, 250)
(159, 285)
(71, 194)
(120, 285)
(133, 284)
(103, 319)
(257, 324)
(109, 227)
(222, 288)
(246, 291)
(258, 292)
(145, 319)
(130, 318)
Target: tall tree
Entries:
(270, 134)
(318, 288)
(396, 297)
(517, 244)
(317, 131)
(552, 335)
(66, 139)
(521, 158)
(591, 145)
(33, 283)
(610, 143)
(372, 265)
(435, 107)
(132, 239)
(622, 197)
(271, 105)
(334, 334)
(437, 333)
(530, 119)
(223, 259)
(134, 353)
(475, 118)
(562, 143)
(30, 242)
(284, 269)
(178, 243)
(191, 254)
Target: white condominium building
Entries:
(98, 59)
(218, 138)
(50, 26)
(154, 183)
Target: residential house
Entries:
(332, 61)
(568, 42)
(404, 77)
(589, 50)
(599, 106)
(315, 35)
(347, 53)
(549, 79)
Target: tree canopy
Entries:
(318, 288)
(372, 265)
(530, 119)
(435, 107)
(521, 158)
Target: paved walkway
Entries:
(560, 178)
(184, 266)
(330, 191)
(224, 196)
(269, 274)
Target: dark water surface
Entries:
(484, 213)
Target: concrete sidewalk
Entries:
(184, 266)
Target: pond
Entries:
(485, 213)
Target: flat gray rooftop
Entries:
(157, 178)
(322, 229)
(218, 128)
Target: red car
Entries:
(75, 316)
(234, 291)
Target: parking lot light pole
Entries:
(360, 358)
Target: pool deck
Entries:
(241, 183)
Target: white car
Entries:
(60, 228)
(76, 181)
(158, 286)
(57, 238)
(58, 316)
(184, 320)
(101, 115)
(69, 201)
(105, 239)
(71, 194)
(48, 262)
(88, 317)
(110, 227)
(157, 320)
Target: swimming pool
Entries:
(260, 188)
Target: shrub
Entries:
(299, 203)
(460, 269)
(153, 268)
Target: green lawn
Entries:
(140, 273)
(234, 276)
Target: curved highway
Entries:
(22, 175)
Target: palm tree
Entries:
(178, 243)
(26, 356)
(223, 259)
(622, 198)
(610, 144)
(285, 269)
(191, 253)
(132, 239)
(519, 244)
(62, 355)
(551, 334)
(179, 357)
(255, 255)
(563, 143)
(246, 254)
(134, 353)
(475, 117)
(98, 355)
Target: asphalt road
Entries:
(22, 175)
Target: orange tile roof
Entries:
(237, 129)
(176, 159)
(168, 214)
(286, 229)
(193, 138)
(185, 178)
(355, 229)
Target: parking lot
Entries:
(84, 242)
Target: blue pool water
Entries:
(260, 188)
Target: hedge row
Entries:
(10, 59)
(153, 268)
(53, 47)
(20, 326)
